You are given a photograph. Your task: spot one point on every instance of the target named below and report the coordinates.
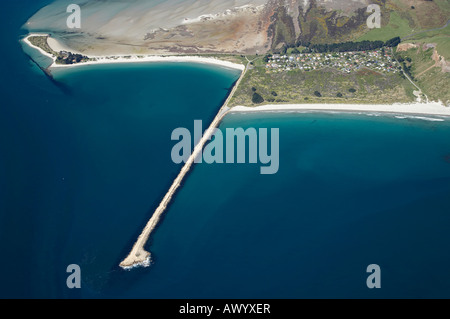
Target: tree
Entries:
(352, 90)
(393, 42)
(350, 46)
(267, 57)
(317, 93)
(257, 99)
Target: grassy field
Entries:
(440, 37)
(430, 79)
(41, 42)
(399, 18)
(334, 87)
(397, 26)
(402, 20)
(444, 5)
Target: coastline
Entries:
(138, 255)
(417, 108)
(38, 48)
(412, 109)
(135, 58)
(153, 58)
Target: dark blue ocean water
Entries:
(84, 164)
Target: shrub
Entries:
(257, 99)
(352, 90)
(317, 93)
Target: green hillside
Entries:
(421, 22)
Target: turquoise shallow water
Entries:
(84, 164)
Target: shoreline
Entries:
(131, 58)
(416, 108)
(27, 42)
(152, 59)
(138, 255)
(412, 109)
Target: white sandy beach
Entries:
(154, 58)
(58, 46)
(413, 109)
(27, 41)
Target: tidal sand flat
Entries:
(114, 26)
(56, 46)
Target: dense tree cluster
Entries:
(351, 46)
(257, 99)
(407, 70)
(339, 47)
(70, 58)
(392, 43)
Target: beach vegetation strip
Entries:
(326, 84)
(61, 57)
(426, 67)
(40, 41)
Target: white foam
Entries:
(145, 264)
(415, 110)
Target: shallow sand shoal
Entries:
(57, 47)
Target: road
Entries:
(436, 29)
